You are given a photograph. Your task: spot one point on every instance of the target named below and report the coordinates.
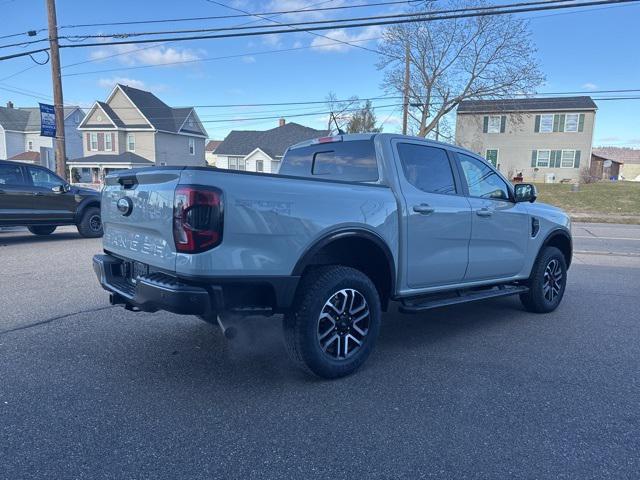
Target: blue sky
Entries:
(594, 49)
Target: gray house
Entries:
(134, 128)
(20, 137)
(538, 139)
(261, 151)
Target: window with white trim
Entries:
(568, 158)
(233, 163)
(259, 166)
(131, 142)
(30, 145)
(242, 164)
(543, 158)
(192, 146)
(93, 141)
(571, 122)
(495, 122)
(108, 142)
(546, 123)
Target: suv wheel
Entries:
(42, 229)
(90, 225)
(334, 322)
(547, 282)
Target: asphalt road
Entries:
(477, 391)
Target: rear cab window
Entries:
(351, 161)
(11, 176)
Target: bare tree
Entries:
(341, 110)
(458, 59)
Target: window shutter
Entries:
(88, 142)
(561, 123)
(558, 158)
(503, 123)
(485, 126)
(556, 122)
(534, 156)
(100, 142)
(537, 127)
(581, 122)
(576, 162)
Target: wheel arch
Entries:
(561, 239)
(358, 248)
(86, 203)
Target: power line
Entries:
(309, 22)
(210, 59)
(432, 17)
(223, 17)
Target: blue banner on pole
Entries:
(47, 120)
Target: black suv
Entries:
(37, 198)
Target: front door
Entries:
(500, 227)
(49, 205)
(438, 216)
(15, 195)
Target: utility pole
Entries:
(405, 112)
(61, 164)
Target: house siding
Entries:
(127, 112)
(14, 143)
(173, 149)
(519, 139)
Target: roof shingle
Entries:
(273, 142)
(527, 105)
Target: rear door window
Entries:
(353, 161)
(427, 168)
(11, 176)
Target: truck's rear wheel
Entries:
(547, 282)
(334, 322)
(42, 229)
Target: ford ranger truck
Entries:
(349, 224)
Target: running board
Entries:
(459, 296)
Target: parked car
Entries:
(349, 224)
(35, 197)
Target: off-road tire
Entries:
(317, 287)
(88, 227)
(535, 300)
(42, 229)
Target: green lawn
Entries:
(600, 200)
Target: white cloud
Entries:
(109, 83)
(342, 35)
(132, 55)
(249, 59)
(590, 86)
(299, 6)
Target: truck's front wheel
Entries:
(334, 322)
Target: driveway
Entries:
(477, 391)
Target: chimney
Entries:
(281, 122)
(10, 105)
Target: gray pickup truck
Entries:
(349, 224)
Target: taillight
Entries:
(197, 218)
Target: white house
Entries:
(210, 152)
(20, 137)
(134, 128)
(261, 151)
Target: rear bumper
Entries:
(155, 291)
(194, 296)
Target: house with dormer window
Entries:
(536, 139)
(134, 128)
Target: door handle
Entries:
(39, 194)
(484, 212)
(424, 209)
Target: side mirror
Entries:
(61, 188)
(525, 192)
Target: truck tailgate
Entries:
(137, 215)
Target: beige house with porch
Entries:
(133, 128)
(538, 139)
